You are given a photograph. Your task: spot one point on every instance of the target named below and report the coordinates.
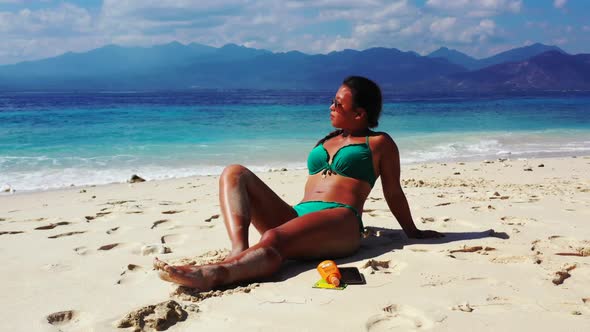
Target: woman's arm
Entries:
(389, 167)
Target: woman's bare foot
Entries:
(203, 278)
(234, 253)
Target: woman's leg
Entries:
(245, 199)
(324, 234)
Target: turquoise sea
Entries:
(52, 140)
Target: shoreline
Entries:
(16, 191)
(90, 253)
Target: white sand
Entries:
(506, 285)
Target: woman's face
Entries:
(342, 110)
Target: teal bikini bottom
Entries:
(304, 208)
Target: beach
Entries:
(516, 256)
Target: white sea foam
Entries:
(467, 148)
(30, 173)
(51, 178)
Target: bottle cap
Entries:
(334, 280)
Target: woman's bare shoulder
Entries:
(383, 140)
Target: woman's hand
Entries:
(427, 234)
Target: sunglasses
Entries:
(337, 104)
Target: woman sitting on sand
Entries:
(343, 167)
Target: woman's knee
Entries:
(271, 238)
(233, 173)
(271, 241)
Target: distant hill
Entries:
(177, 66)
(456, 57)
(518, 54)
(513, 55)
(552, 70)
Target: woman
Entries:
(343, 168)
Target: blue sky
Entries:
(31, 30)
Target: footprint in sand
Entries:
(374, 237)
(171, 212)
(376, 213)
(465, 307)
(158, 222)
(120, 202)
(562, 246)
(401, 317)
(112, 230)
(215, 216)
(173, 238)
(476, 249)
(563, 274)
(374, 266)
(482, 250)
(156, 317)
(186, 294)
(559, 255)
(425, 220)
(56, 267)
(107, 247)
(443, 204)
(169, 203)
(511, 259)
(81, 250)
(61, 318)
(516, 221)
(131, 273)
(52, 226)
(65, 234)
(11, 232)
(98, 215)
(153, 249)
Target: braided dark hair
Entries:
(365, 94)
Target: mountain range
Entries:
(173, 66)
(513, 55)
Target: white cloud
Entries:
(447, 30)
(476, 8)
(22, 49)
(415, 28)
(443, 29)
(65, 18)
(276, 26)
(268, 24)
(340, 43)
(481, 32)
(559, 3)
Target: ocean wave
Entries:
(493, 148)
(32, 173)
(49, 178)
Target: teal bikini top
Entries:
(353, 161)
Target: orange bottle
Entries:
(329, 272)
